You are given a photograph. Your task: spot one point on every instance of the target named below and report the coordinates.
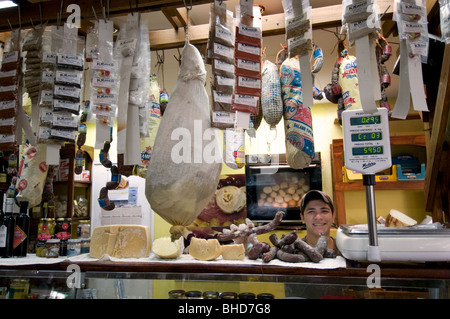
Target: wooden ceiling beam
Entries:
(177, 17)
(30, 11)
(274, 24)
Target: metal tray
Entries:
(428, 230)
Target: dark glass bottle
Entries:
(7, 230)
(22, 231)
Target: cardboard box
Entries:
(64, 163)
(350, 176)
(85, 176)
(63, 175)
(389, 175)
(407, 175)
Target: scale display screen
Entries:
(367, 147)
(365, 120)
(373, 136)
(367, 150)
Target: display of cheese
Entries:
(233, 252)
(205, 249)
(396, 218)
(121, 241)
(164, 247)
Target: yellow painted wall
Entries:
(411, 203)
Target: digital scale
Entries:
(367, 150)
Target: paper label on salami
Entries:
(298, 119)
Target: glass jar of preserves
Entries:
(247, 295)
(84, 229)
(193, 294)
(265, 295)
(73, 247)
(210, 295)
(52, 247)
(228, 295)
(176, 294)
(46, 231)
(85, 245)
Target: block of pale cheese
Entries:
(205, 249)
(396, 218)
(121, 241)
(164, 247)
(233, 252)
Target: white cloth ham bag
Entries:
(186, 161)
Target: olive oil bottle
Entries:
(22, 231)
(7, 229)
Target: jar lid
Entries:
(265, 296)
(228, 295)
(210, 295)
(247, 295)
(83, 221)
(177, 293)
(193, 294)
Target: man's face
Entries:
(318, 217)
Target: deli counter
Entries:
(150, 278)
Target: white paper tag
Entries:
(401, 107)
(365, 81)
(307, 85)
(242, 120)
(52, 157)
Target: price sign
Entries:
(367, 147)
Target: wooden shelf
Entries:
(340, 187)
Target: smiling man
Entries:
(317, 212)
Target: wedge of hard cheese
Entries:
(396, 218)
(204, 249)
(121, 241)
(233, 252)
(164, 247)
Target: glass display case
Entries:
(112, 280)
